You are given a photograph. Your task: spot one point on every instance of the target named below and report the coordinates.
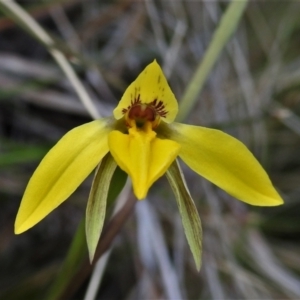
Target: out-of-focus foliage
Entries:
(252, 93)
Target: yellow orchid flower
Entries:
(144, 141)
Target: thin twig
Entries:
(21, 17)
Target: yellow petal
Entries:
(142, 156)
(226, 162)
(61, 171)
(149, 86)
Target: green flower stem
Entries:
(76, 254)
(227, 26)
(75, 258)
(114, 226)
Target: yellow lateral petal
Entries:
(150, 85)
(142, 156)
(226, 162)
(61, 171)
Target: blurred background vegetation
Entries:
(252, 93)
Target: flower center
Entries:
(138, 113)
(142, 113)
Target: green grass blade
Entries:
(227, 26)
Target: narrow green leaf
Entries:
(117, 183)
(226, 28)
(77, 251)
(22, 155)
(96, 207)
(188, 211)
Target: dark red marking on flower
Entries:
(159, 107)
(134, 102)
(142, 112)
(149, 111)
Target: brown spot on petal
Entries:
(159, 108)
(133, 103)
